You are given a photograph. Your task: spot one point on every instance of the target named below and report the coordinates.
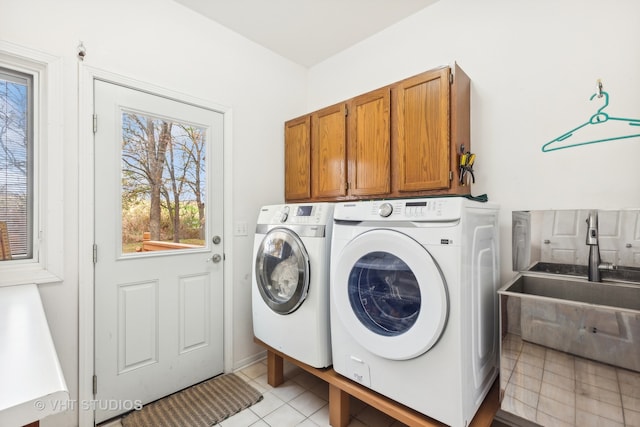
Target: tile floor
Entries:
(303, 400)
(553, 388)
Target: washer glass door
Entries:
(282, 270)
(384, 293)
(390, 294)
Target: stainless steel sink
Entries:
(624, 274)
(576, 290)
(595, 320)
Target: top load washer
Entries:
(290, 289)
(414, 310)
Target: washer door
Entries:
(390, 294)
(282, 270)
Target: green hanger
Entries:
(597, 119)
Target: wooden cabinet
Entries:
(401, 140)
(329, 152)
(421, 133)
(297, 157)
(430, 121)
(369, 144)
(350, 150)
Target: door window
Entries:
(163, 184)
(282, 271)
(384, 293)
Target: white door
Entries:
(159, 247)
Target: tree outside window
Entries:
(163, 182)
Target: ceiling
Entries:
(306, 31)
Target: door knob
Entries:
(215, 258)
(216, 240)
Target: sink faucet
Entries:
(595, 263)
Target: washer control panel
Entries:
(410, 209)
(425, 209)
(304, 214)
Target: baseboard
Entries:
(243, 363)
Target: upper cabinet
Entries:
(329, 152)
(430, 122)
(421, 132)
(401, 140)
(369, 144)
(297, 157)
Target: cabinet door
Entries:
(297, 155)
(329, 152)
(369, 146)
(421, 132)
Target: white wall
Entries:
(167, 45)
(533, 67)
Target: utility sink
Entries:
(624, 274)
(595, 320)
(577, 291)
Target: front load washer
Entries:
(290, 290)
(413, 301)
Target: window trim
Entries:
(46, 266)
(27, 79)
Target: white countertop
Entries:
(32, 385)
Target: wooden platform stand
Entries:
(341, 388)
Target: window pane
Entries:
(163, 184)
(16, 187)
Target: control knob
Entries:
(285, 214)
(385, 210)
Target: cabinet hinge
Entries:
(346, 186)
(95, 253)
(451, 78)
(95, 123)
(346, 111)
(95, 385)
(450, 175)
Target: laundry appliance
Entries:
(414, 310)
(290, 289)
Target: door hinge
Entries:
(451, 78)
(95, 123)
(95, 385)
(95, 253)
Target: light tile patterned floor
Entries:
(553, 388)
(303, 400)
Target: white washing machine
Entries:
(290, 290)
(414, 309)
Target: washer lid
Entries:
(282, 270)
(390, 294)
